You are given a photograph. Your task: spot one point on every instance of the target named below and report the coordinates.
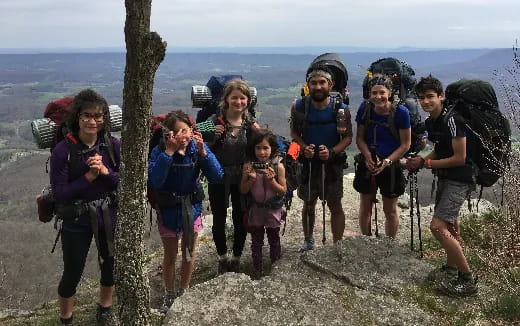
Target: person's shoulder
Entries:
(61, 149)
(402, 109)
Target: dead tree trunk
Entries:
(144, 53)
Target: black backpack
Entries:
(488, 131)
(333, 63)
(209, 102)
(403, 78)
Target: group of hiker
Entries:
(241, 163)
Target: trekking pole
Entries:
(307, 222)
(418, 214)
(411, 192)
(374, 185)
(323, 201)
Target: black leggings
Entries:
(75, 247)
(217, 196)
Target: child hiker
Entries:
(264, 179)
(174, 171)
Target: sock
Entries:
(66, 321)
(447, 267)
(103, 309)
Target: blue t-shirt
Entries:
(320, 127)
(385, 142)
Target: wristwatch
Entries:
(388, 161)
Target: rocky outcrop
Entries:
(364, 281)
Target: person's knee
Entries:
(68, 284)
(390, 211)
(437, 226)
(335, 208)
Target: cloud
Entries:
(375, 23)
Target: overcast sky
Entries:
(209, 23)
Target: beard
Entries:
(319, 96)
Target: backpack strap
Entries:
(390, 124)
(75, 152)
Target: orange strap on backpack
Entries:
(294, 150)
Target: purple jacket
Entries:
(65, 190)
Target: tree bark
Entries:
(144, 53)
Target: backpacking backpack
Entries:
(289, 154)
(208, 97)
(488, 130)
(403, 80)
(299, 119)
(45, 201)
(51, 129)
(334, 64)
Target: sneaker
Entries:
(257, 274)
(449, 273)
(308, 244)
(223, 266)
(234, 265)
(460, 287)
(105, 317)
(338, 250)
(169, 297)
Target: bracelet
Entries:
(428, 164)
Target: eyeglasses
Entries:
(86, 117)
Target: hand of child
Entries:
(197, 136)
(270, 175)
(172, 142)
(414, 163)
(94, 165)
(251, 174)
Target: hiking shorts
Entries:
(164, 232)
(333, 182)
(383, 181)
(449, 198)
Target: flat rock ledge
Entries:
(365, 287)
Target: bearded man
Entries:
(314, 127)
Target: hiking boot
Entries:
(460, 286)
(338, 250)
(308, 244)
(66, 322)
(257, 274)
(169, 297)
(234, 265)
(223, 266)
(449, 273)
(105, 317)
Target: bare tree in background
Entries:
(144, 53)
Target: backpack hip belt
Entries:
(74, 209)
(167, 199)
(274, 202)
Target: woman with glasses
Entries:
(84, 176)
